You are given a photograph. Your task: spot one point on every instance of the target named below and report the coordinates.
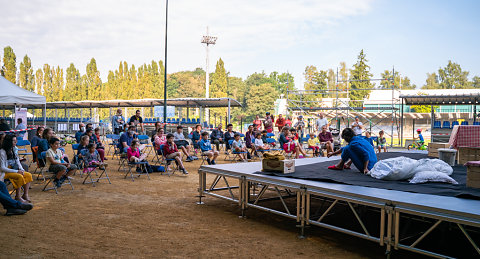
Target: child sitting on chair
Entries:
(56, 164)
(259, 144)
(92, 158)
(313, 143)
(170, 151)
(381, 142)
(207, 150)
(133, 152)
(239, 146)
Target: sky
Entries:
(415, 37)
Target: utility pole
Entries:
(208, 40)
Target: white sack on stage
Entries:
(419, 171)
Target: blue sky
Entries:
(417, 37)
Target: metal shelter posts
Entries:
(456, 99)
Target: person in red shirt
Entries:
(326, 139)
(280, 123)
(170, 151)
(257, 123)
(288, 122)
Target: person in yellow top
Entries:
(313, 143)
(11, 166)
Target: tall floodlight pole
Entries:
(165, 73)
(208, 40)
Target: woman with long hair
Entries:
(11, 166)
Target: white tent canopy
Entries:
(13, 95)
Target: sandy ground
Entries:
(160, 218)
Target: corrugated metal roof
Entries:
(453, 99)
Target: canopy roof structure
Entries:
(453, 99)
(13, 95)
(179, 102)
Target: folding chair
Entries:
(114, 142)
(76, 160)
(272, 142)
(54, 187)
(90, 169)
(22, 149)
(141, 165)
(8, 183)
(236, 154)
(40, 161)
(167, 161)
(145, 140)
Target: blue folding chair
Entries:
(22, 149)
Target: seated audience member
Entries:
(288, 143)
(238, 146)
(229, 134)
(357, 126)
(92, 158)
(126, 139)
(12, 206)
(196, 135)
(217, 136)
(170, 151)
(182, 143)
(133, 152)
(43, 144)
(3, 125)
(83, 145)
(160, 139)
(80, 132)
(313, 143)
(250, 137)
(153, 133)
(296, 139)
(56, 164)
(265, 137)
(381, 142)
(99, 137)
(37, 137)
(93, 140)
(13, 169)
(259, 144)
(358, 150)
(368, 137)
(326, 139)
(206, 148)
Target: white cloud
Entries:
(60, 32)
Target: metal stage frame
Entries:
(312, 203)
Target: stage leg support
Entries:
(202, 182)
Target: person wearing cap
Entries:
(357, 126)
(300, 126)
(268, 123)
(3, 125)
(420, 140)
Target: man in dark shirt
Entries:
(229, 134)
(3, 125)
(217, 136)
(80, 132)
(126, 139)
(137, 120)
(326, 139)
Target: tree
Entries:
(94, 82)
(431, 82)
(9, 68)
(39, 81)
(48, 90)
(282, 82)
(343, 80)
(452, 77)
(331, 82)
(260, 100)
(476, 82)
(218, 86)
(57, 84)
(315, 80)
(423, 108)
(73, 85)
(361, 76)
(26, 78)
(398, 82)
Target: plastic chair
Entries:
(464, 123)
(22, 146)
(454, 123)
(446, 125)
(476, 123)
(90, 169)
(437, 125)
(270, 135)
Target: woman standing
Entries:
(11, 166)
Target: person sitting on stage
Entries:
(229, 134)
(170, 151)
(358, 150)
(259, 144)
(206, 147)
(126, 139)
(217, 136)
(313, 143)
(326, 139)
(182, 143)
(238, 146)
(13, 169)
(381, 142)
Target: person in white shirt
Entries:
(259, 145)
(20, 126)
(182, 143)
(239, 146)
(357, 126)
(321, 121)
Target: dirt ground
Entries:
(159, 218)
